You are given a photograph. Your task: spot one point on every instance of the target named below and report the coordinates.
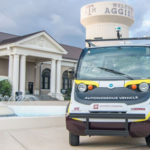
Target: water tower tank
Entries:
(101, 18)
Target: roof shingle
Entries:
(17, 38)
(4, 36)
(73, 52)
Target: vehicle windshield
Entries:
(126, 62)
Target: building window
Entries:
(67, 82)
(46, 79)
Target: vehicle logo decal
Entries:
(111, 85)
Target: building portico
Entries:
(23, 57)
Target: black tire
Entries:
(73, 139)
(147, 139)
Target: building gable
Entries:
(42, 41)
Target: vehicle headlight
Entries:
(143, 87)
(82, 87)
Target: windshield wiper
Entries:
(116, 72)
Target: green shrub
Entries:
(67, 96)
(5, 88)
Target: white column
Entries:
(59, 95)
(10, 68)
(15, 74)
(22, 74)
(37, 90)
(53, 78)
(58, 76)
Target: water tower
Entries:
(102, 18)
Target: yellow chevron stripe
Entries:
(146, 118)
(87, 82)
(136, 82)
(69, 112)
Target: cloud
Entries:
(60, 18)
(55, 19)
(64, 28)
(141, 10)
(6, 22)
(146, 24)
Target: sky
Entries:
(61, 18)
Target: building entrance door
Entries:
(30, 87)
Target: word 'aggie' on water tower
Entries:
(101, 19)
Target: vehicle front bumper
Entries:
(134, 129)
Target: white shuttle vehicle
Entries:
(111, 92)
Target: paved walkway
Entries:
(56, 138)
(41, 103)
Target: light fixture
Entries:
(90, 87)
(143, 87)
(82, 87)
(133, 86)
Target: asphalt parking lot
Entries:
(55, 137)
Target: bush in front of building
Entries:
(67, 96)
(5, 88)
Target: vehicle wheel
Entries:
(73, 139)
(147, 139)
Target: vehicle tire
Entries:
(73, 139)
(147, 139)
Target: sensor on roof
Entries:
(118, 28)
